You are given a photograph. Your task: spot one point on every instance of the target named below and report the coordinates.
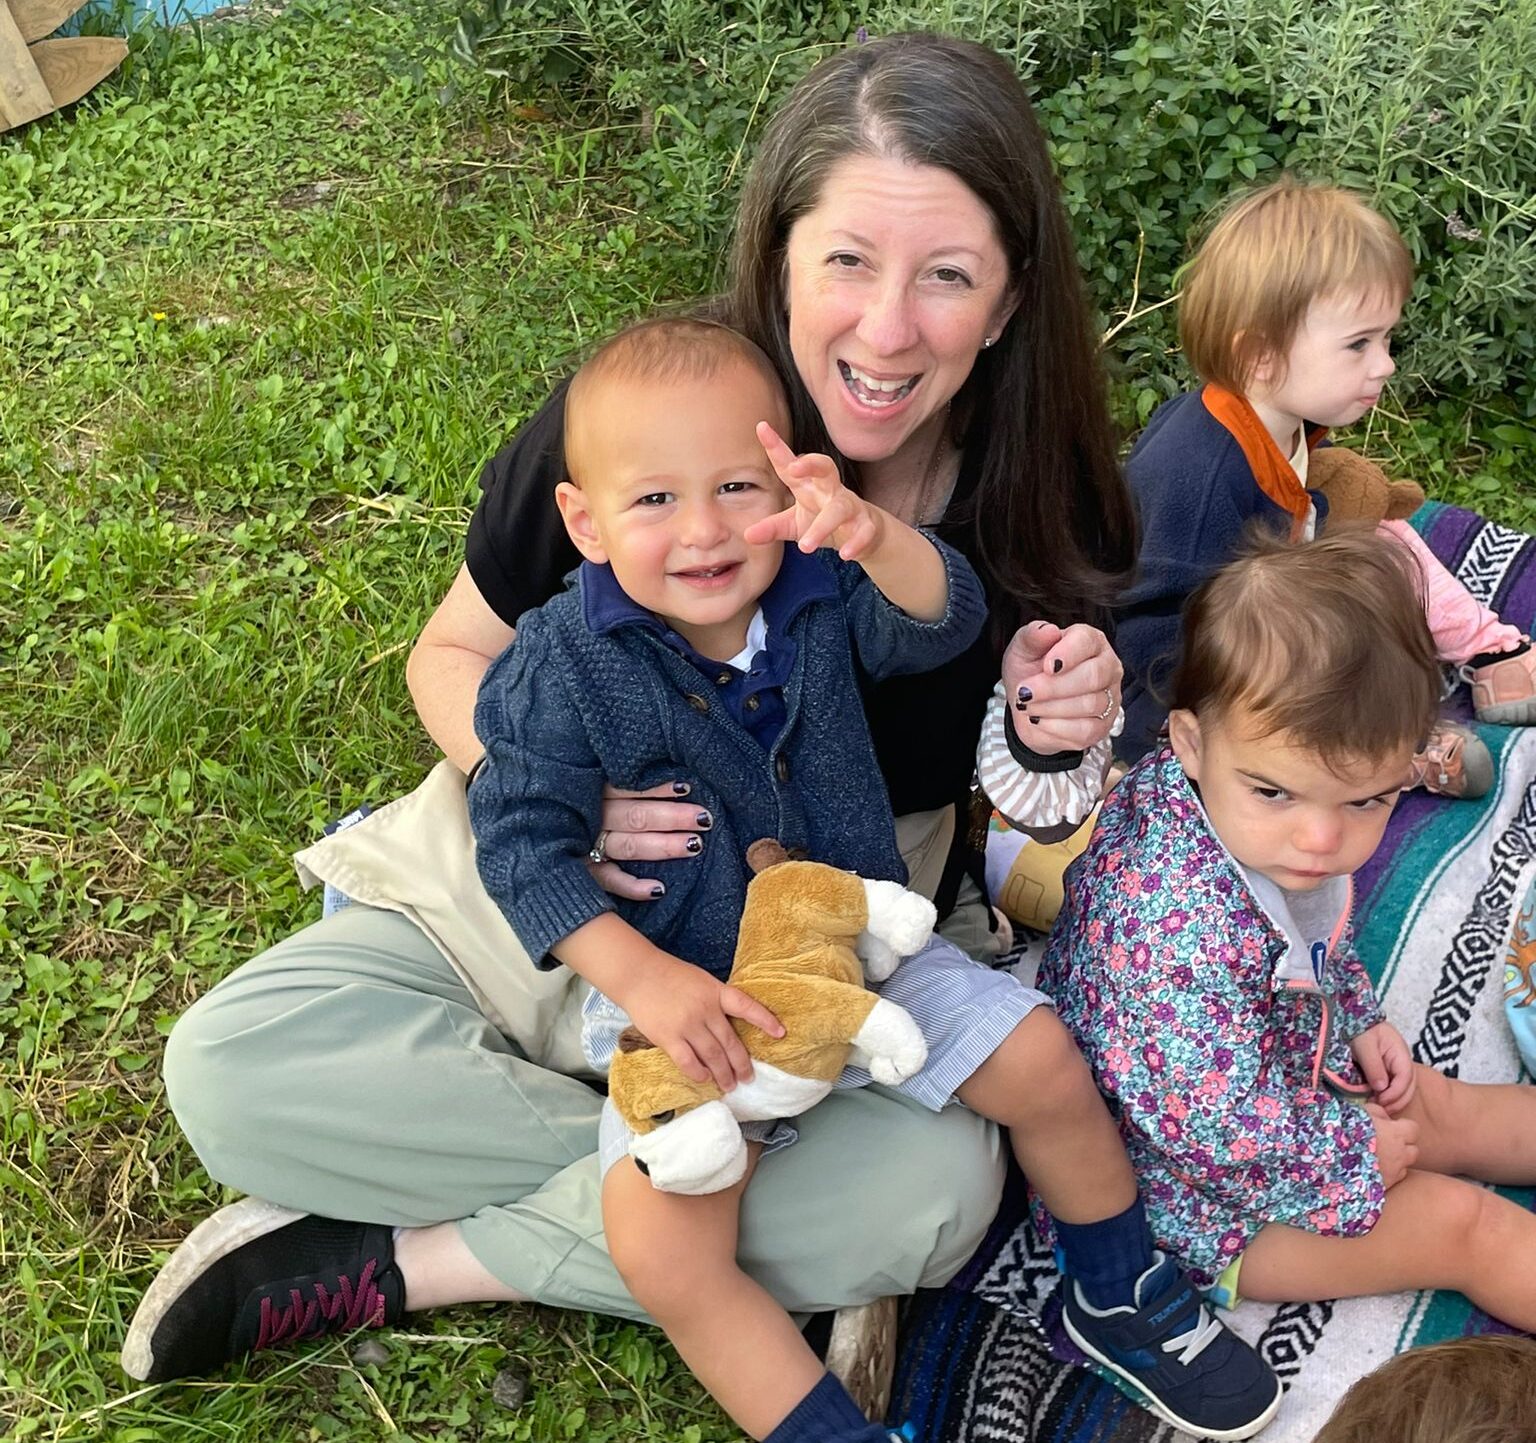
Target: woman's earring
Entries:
(986, 341)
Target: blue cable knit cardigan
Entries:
(564, 710)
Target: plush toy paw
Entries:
(702, 1151)
(900, 923)
(889, 1046)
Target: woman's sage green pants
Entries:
(347, 1072)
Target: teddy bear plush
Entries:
(809, 935)
(1358, 489)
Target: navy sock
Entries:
(1106, 1258)
(827, 1415)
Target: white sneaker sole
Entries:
(1154, 1405)
(211, 1240)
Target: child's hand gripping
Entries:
(825, 513)
(687, 1013)
(1397, 1144)
(1386, 1064)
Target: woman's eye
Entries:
(844, 259)
(951, 277)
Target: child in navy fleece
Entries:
(1287, 316)
(698, 643)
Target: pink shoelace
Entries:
(360, 1306)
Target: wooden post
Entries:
(23, 94)
(38, 78)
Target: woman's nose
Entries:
(888, 325)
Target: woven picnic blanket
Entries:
(986, 1358)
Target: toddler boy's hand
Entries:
(1386, 1064)
(1397, 1144)
(687, 1013)
(825, 513)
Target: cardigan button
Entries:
(752, 703)
(697, 702)
(723, 679)
(781, 769)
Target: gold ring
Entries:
(599, 852)
(1109, 705)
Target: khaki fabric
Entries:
(416, 856)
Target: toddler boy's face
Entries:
(1339, 360)
(1277, 807)
(667, 478)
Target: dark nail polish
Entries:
(680, 789)
(705, 820)
(695, 844)
(1034, 721)
(658, 891)
(1020, 705)
(1056, 665)
(1025, 694)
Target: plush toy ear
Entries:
(632, 1039)
(765, 852)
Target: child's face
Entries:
(669, 477)
(1337, 364)
(1277, 808)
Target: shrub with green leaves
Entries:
(1155, 116)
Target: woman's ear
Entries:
(580, 524)
(998, 322)
(1184, 734)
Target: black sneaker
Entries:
(1187, 1367)
(255, 1275)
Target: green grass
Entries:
(266, 305)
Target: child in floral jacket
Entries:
(1280, 1129)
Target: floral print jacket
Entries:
(1163, 964)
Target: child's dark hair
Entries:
(1470, 1390)
(1325, 640)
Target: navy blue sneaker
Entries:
(1185, 1365)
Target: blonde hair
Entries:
(1470, 1390)
(1269, 256)
(1324, 640)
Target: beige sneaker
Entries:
(1454, 762)
(1504, 691)
(861, 1354)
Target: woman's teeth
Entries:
(871, 390)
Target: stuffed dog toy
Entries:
(804, 932)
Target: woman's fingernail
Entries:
(680, 789)
(1025, 694)
(705, 820)
(695, 844)
(658, 891)
(1056, 665)
(1034, 721)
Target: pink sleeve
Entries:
(1461, 625)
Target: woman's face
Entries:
(895, 278)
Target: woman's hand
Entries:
(1064, 685)
(647, 826)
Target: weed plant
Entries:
(268, 300)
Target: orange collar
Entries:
(1271, 469)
